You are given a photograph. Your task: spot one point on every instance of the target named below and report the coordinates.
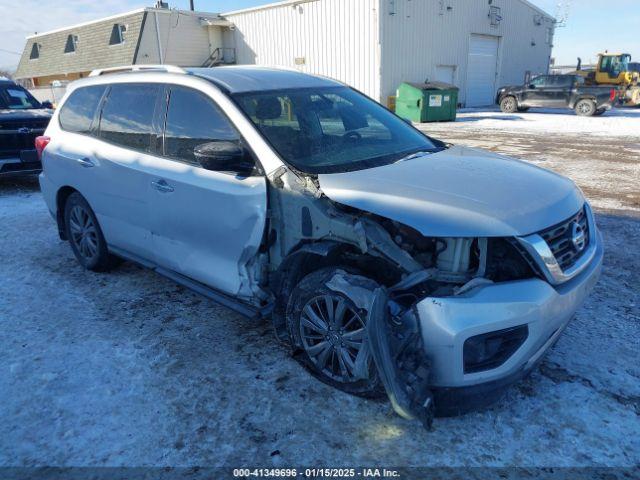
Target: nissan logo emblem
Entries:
(578, 237)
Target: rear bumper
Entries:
(446, 323)
(15, 167)
(605, 106)
(49, 193)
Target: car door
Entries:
(71, 154)
(566, 87)
(556, 89)
(129, 138)
(535, 94)
(206, 224)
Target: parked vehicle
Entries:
(22, 119)
(615, 69)
(557, 91)
(383, 256)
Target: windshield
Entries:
(615, 65)
(14, 97)
(330, 130)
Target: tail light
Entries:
(41, 143)
(612, 94)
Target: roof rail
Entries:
(137, 68)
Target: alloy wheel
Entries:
(333, 335)
(509, 104)
(83, 232)
(585, 108)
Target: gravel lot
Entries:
(129, 369)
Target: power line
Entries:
(9, 51)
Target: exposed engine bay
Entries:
(308, 231)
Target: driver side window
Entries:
(192, 120)
(539, 81)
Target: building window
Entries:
(117, 34)
(550, 33)
(35, 51)
(72, 43)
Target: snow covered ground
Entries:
(129, 369)
(619, 122)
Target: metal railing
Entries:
(220, 56)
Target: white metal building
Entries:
(374, 45)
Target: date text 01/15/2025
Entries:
(315, 473)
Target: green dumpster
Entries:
(427, 102)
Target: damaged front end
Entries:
(386, 269)
(404, 367)
(395, 344)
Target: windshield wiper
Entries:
(413, 155)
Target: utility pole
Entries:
(191, 5)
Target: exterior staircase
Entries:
(220, 56)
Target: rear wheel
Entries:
(330, 332)
(585, 108)
(509, 105)
(85, 236)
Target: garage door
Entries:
(481, 70)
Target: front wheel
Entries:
(329, 331)
(85, 236)
(509, 105)
(585, 108)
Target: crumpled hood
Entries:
(460, 192)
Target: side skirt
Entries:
(197, 287)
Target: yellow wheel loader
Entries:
(615, 69)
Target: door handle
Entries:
(162, 186)
(85, 162)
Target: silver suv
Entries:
(388, 260)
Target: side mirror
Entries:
(224, 156)
(532, 87)
(47, 104)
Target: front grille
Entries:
(559, 238)
(17, 124)
(19, 167)
(12, 140)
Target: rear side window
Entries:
(77, 113)
(193, 119)
(565, 80)
(127, 115)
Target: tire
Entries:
(331, 364)
(523, 109)
(599, 112)
(85, 235)
(585, 108)
(509, 104)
